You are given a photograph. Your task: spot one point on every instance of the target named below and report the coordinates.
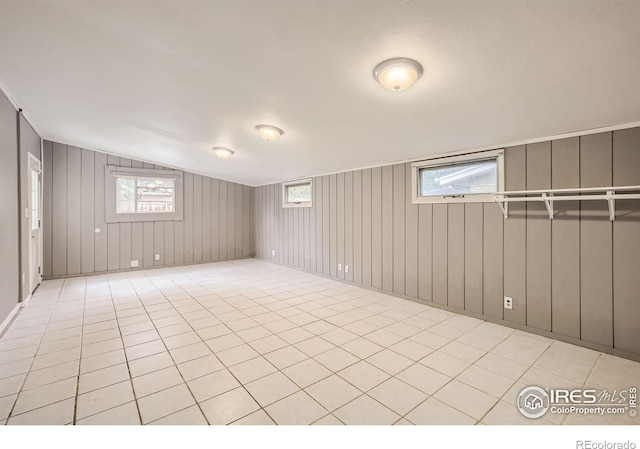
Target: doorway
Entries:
(35, 223)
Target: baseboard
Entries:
(7, 321)
(551, 335)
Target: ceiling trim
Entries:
(19, 109)
(582, 132)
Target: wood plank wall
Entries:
(217, 225)
(577, 276)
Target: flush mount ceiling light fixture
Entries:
(268, 132)
(222, 152)
(398, 73)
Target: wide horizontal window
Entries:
(296, 193)
(468, 178)
(142, 195)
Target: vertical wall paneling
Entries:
(411, 238)
(238, 221)
(124, 231)
(399, 230)
(47, 210)
(387, 228)
(348, 225)
(425, 252)
(87, 199)
(224, 224)
(473, 257)
(376, 227)
(317, 205)
(333, 225)
(515, 237)
(215, 219)
(493, 276)
(596, 243)
(367, 230)
(101, 237)
(158, 243)
(59, 222)
(565, 240)
(440, 253)
(189, 201)
(356, 270)
(340, 240)
(626, 243)
(74, 210)
(113, 232)
(197, 218)
(246, 221)
(455, 255)
(206, 219)
(538, 239)
(147, 244)
(326, 260)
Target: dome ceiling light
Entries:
(268, 132)
(397, 74)
(222, 152)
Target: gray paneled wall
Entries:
(217, 225)
(577, 276)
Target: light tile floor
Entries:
(249, 342)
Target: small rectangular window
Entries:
(296, 193)
(468, 178)
(142, 194)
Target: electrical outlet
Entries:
(346, 268)
(134, 263)
(508, 303)
(273, 252)
(339, 267)
(157, 256)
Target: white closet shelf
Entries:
(548, 196)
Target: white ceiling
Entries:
(166, 81)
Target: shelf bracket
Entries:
(612, 205)
(504, 206)
(548, 202)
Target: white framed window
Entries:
(136, 194)
(468, 178)
(297, 193)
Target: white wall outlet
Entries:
(134, 263)
(346, 268)
(97, 230)
(508, 303)
(339, 267)
(273, 252)
(157, 256)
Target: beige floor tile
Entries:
(383, 337)
(103, 378)
(268, 344)
(190, 352)
(336, 359)
(285, 357)
(314, 346)
(432, 411)
(444, 363)
(423, 378)
(306, 372)
(55, 358)
(252, 369)
(259, 418)
(45, 395)
(101, 361)
(125, 414)
(506, 367)
(229, 406)
(398, 396)
(224, 342)
(411, 350)
(365, 411)
(178, 341)
(328, 420)
(145, 349)
(188, 417)
(389, 361)
(271, 388)
(254, 333)
(104, 399)
(149, 364)
(156, 381)
(59, 413)
(6, 404)
(12, 385)
(504, 414)
(430, 339)
(362, 348)
(296, 335)
(212, 385)
(14, 368)
(468, 400)
(333, 392)
(484, 380)
(164, 403)
(363, 375)
(200, 367)
(101, 347)
(299, 408)
(237, 355)
(463, 352)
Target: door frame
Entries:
(34, 163)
